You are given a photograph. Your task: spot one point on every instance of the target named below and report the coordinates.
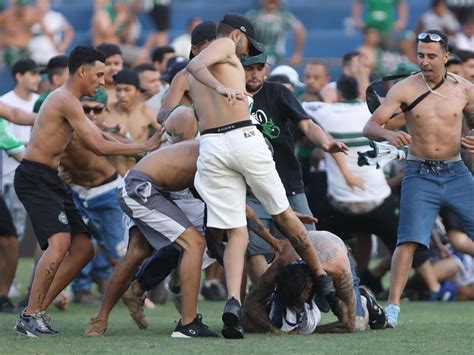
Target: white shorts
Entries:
(227, 161)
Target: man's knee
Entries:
(59, 243)
(191, 240)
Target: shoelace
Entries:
(41, 321)
(199, 320)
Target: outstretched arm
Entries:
(17, 115)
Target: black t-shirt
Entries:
(279, 112)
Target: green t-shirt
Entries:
(8, 142)
(381, 14)
(40, 101)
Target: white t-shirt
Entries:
(182, 45)
(345, 122)
(23, 133)
(41, 47)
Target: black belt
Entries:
(229, 127)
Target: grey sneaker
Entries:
(392, 311)
(36, 325)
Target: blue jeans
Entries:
(428, 187)
(104, 217)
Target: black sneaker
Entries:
(376, 313)
(195, 329)
(36, 325)
(231, 318)
(6, 306)
(213, 291)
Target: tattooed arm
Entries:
(256, 317)
(255, 225)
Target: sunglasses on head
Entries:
(431, 37)
(97, 109)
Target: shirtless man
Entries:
(58, 225)
(131, 113)
(434, 141)
(233, 153)
(178, 92)
(15, 29)
(93, 180)
(113, 64)
(283, 299)
(147, 195)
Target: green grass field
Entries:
(425, 328)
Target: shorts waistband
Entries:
(412, 157)
(227, 128)
(88, 193)
(39, 166)
(136, 174)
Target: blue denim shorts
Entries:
(427, 187)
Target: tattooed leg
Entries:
(297, 234)
(46, 269)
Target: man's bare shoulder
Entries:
(465, 84)
(147, 112)
(60, 99)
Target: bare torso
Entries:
(51, 132)
(86, 168)
(172, 167)
(16, 27)
(140, 123)
(435, 123)
(213, 109)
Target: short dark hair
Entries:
(292, 281)
(158, 53)
(444, 39)
(84, 55)
(347, 58)
(140, 68)
(109, 49)
(56, 66)
(223, 29)
(348, 87)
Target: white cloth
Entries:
(182, 45)
(431, 21)
(227, 161)
(305, 320)
(41, 47)
(381, 154)
(345, 121)
(464, 43)
(23, 133)
(465, 274)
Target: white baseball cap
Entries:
(289, 72)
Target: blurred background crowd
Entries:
(309, 44)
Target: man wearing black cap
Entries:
(131, 113)
(178, 92)
(274, 108)
(27, 78)
(233, 153)
(58, 225)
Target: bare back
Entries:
(435, 124)
(172, 167)
(213, 109)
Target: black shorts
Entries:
(48, 201)
(160, 15)
(7, 228)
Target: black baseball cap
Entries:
(175, 69)
(127, 76)
(204, 31)
(243, 24)
(24, 65)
